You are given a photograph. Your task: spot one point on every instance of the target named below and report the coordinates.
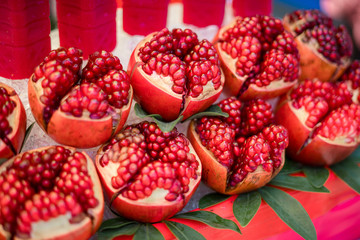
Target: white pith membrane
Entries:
(157, 197)
(165, 83)
(64, 225)
(229, 63)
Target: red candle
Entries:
(246, 8)
(89, 25)
(24, 36)
(202, 13)
(141, 17)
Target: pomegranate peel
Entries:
(242, 152)
(147, 174)
(79, 218)
(174, 74)
(257, 66)
(81, 114)
(322, 122)
(12, 123)
(325, 51)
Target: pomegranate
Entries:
(259, 58)
(242, 152)
(12, 122)
(80, 110)
(325, 50)
(149, 175)
(323, 120)
(50, 193)
(173, 74)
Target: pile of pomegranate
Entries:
(258, 56)
(242, 152)
(12, 122)
(50, 193)
(80, 108)
(173, 74)
(149, 175)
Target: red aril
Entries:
(322, 120)
(259, 58)
(147, 174)
(12, 122)
(242, 152)
(173, 74)
(50, 193)
(325, 50)
(83, 113)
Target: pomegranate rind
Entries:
(76, 231)
(312, 63)
(17, 120)
(216, 175)
(157, 99)
(157, 209)
(234, 82)
(74, 131)
(319, 151)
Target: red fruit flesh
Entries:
(50, 193)
(259, 58)
(149, 175)
(173, 73)
(322, 122)
(84, 114)
(239, 155)
(12, 122)
(325, 50)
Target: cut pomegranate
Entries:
(242, 152)
(50, 193)
(325, 50)
(149, 175)
(12, 122)
(174, 74)
(84, 114)
(259, 58)
(323, 120)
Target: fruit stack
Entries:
(24, 36)
(89, 25)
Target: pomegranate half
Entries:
(147, 174)
(323, 121)
(242, 152)
(173, 74)
(80, 111)
(12, 122)
(259, 58)
(325, 50)
(50, 193)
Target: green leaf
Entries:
(291, 166)
(2, 160)
(355, 156)
(183, 232)
(297, 183)
(317, 176)
(290, 211)
(164, 126)
(213, 110)
(115, 223)
(126, 229)
(147, 231)
(349, 172)
(27, 134)
(211, 219)
(246, 206)
(212, 199)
